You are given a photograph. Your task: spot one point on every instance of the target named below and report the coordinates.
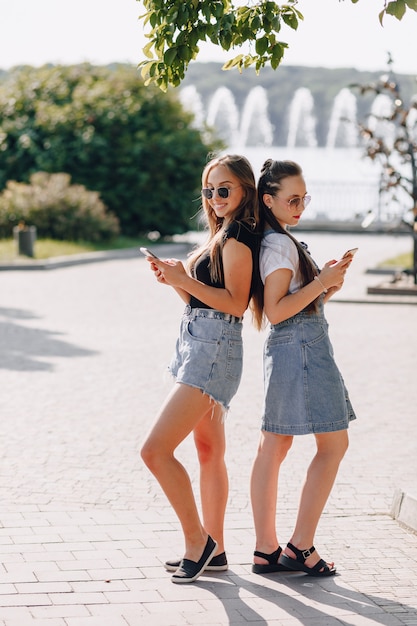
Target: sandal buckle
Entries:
(306, 553)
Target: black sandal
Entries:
(319, 569)
(273, 565)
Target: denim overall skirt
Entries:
(304, 390)
(209, 353)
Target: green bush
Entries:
(58, 209)
(131, 143)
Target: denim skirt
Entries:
(304, 390)
(209, 353)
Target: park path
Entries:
(84, 528)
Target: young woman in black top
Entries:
(217, 286)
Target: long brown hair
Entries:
(247, 214)
(270, 180)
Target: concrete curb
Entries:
(182, 248)
(404, 509)
(92, 257)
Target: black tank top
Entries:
(201, 271)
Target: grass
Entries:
(404, 261)
(46, 248)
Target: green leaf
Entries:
(153, 20)
(172, 14)
(206, 10)
(232, 62)
(147, 50)
(261, 45)
(291, 20)
(255, 23)
(396, 8)
(170, 56)
(272, 40)
(270, 9)
(276, 24)
(146, 69)
(277, 55)
(185, 53)
(218, 9)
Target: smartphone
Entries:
(147, 252)
(350, 252)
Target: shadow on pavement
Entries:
(28, 349)
(309, 600)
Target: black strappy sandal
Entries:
(273, 565)
(319, 569)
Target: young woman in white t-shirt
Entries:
(304, 390)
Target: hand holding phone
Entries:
(147, 252)
(350, 252)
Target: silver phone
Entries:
(350, 252)
(147, 252)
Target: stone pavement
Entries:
(84, 528)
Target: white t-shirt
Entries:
(279, 252)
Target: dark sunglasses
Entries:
(222, 192)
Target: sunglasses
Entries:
(294, 203)
(222, 192)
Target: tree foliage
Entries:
(110, 133)
(397, 8)
(178, 27)
(391, 139)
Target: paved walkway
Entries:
(84, 528)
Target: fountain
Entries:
(342, 184)
(302, 123)
(223, 115)
(343, 128)
(381, 111)
(192, 102)
(252, 127)
(255, 127)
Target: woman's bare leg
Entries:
(321, 474)
(210, 441)
(180, 414)
(272, 451)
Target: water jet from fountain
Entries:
(302, 123)
(343, 128)
(255, 127)
(223, 115)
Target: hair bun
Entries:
(267, 166)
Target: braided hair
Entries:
(272, 174)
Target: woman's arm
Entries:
(159, 277)
(234, 297)
(184, 295)
(280, 305)
(331, 291)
